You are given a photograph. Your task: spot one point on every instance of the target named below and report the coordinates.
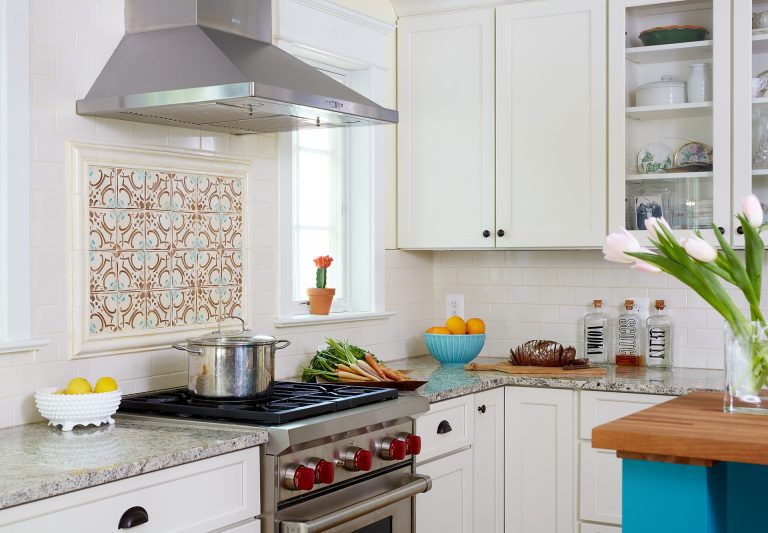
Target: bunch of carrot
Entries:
(342, 361)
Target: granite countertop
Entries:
(451, 381)
(38, 461)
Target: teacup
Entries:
(758, 86)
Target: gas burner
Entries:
(290, 401)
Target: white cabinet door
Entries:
(488, 460)
(446, 130)
(599, 528)
(551, 180)
(599, 485)
(446, 508)
(539, 442)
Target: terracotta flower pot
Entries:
(320, 300)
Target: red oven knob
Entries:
(356, 459)
(299, 477)
(412, 443)
(324, 470)
(393, 449)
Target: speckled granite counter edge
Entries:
(92, 478)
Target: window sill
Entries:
(22, 345)
(303, 320)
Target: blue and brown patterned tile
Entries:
(231, 300)
(157, 191)
(209, 230)
(132, 307)
(130, 188)
(231, 231)
(231, 194)
(183, 192)
(159, 309)
(102, 271)
(208, 268)
(208, 304)
(131, 271)
(185, 230)
(183, 307)
(102, 229)
(102, 189)
(104, 313)
(158, 270)
(158, 230)
(184, 265)
(130, 229)
(232, 267)
(208, 199)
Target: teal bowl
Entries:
(454, 349)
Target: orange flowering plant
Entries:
(322, 262)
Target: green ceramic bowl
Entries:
(673, 34)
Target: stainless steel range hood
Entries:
(210, 64)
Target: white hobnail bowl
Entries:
(70, 410)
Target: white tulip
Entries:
(654, 227)
(616, 244)
(699, 249)
(752, 210)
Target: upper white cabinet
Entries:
(551, 124)
(446, 131)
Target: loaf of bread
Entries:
(544, 353)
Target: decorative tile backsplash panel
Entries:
(165, 249)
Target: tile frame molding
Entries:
(79, 157)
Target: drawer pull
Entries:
(481, 409)
(444, 427)
(135, 516)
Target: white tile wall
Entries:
(70, 42)
(545, 294)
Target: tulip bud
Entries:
(618, 243)
(654, 227)
(752, 210)
(642, 266)
(699, 249)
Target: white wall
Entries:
(70, 42)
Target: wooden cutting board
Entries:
(540, 371)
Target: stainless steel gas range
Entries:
(339, 458)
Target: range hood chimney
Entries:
(211, 64)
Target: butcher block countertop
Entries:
(691, 429)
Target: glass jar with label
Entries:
(629, 336)
(595, 333)
(659, 337)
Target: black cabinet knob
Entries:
(740, 230)
(486, 234)
(444, 427)
(481, 409)
(135, 516)
(722, 230)
(500, 233)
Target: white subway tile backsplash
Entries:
(541, 313)
(574, 277)
(522, 295)
(539, 276)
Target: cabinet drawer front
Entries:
(599, 485)
(602, 407)
(599, 528)
(201, 496)
(448, 426)
(448, 506)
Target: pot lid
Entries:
(242, 337)
(666, 81)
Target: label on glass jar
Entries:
(657, 341)
(627, 341)
(595, 340)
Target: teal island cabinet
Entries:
(687, 467)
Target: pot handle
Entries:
(228, 317)
(186, 349)
(278, 347)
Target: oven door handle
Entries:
(416, 485)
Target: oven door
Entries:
(382, 504)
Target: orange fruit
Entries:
(475, 326)
(456, 325)
(439, 330)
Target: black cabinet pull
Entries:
(500, 233)
(486, 234)
(722, 230)
(481, 409)
(740, 230)
(135, 516)
(444, 427)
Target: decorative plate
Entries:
(654, 158)
(673, 34)
(693, 153)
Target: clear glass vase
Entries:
(746, 369)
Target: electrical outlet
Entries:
(454, 305)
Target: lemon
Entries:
(105, 384)
(78, 386)
(456, 325)
(439, 330)
(475, 326)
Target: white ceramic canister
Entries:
(664, 92)
(700, 83)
